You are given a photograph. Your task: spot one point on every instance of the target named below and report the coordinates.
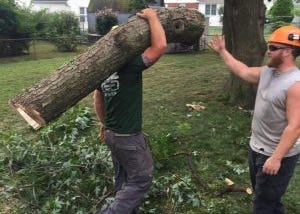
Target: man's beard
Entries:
(275, 62)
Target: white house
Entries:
(209, 8)
(78, 7)
(191, 4)
(51, 6)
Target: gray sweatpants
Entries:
(133, 171)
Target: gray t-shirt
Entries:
(269, 119)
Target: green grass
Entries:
(42, 50)
(18, 73)
(219, 133)
(213, 30)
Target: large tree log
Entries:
(74, 80)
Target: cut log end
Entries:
(31, 116)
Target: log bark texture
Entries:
(74, 80)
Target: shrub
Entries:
(14, 24)
(282, 10)
(278, 24)
(139, 4)
(104, 22)
(64, 28)
(41, 21)
(221, 13)
(297, 11)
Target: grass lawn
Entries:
(17, 73)
(219, 134)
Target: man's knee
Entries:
(143, 183)
(269, 194)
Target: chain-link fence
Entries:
(31, 46)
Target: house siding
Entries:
(75, 6)
(51, 7)
(214, 20)
(211, 2)
(187, 5)
(59, 6)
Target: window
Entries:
(207, 9)
(82, 18)
(82, 14)
(211, 9)
(182, 5)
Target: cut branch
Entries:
(104, 197)
(231, 187)
(193, 169)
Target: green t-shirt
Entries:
(122, 93)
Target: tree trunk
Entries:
(73, 81)
(243, 30)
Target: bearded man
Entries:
(274, 145)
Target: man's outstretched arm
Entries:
(249, 74)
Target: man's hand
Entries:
(217, 43)
(271, 166)
(101, 133)
(147, 13)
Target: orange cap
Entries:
(289, 35)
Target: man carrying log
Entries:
(275, 143)
(118, 105)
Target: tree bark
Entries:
(243, 29)
(73, 81)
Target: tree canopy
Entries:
(104, 22)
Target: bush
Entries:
(15, 24)
(139, 4)
(282, 10)
(61, 28)
(41, 21)
(64, 28)
(278, 24)
(221, 13)
(105, 21)
(297, 11)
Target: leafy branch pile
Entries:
(64, 171)
(67, 170)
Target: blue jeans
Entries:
(269, 189)
(133, 171)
